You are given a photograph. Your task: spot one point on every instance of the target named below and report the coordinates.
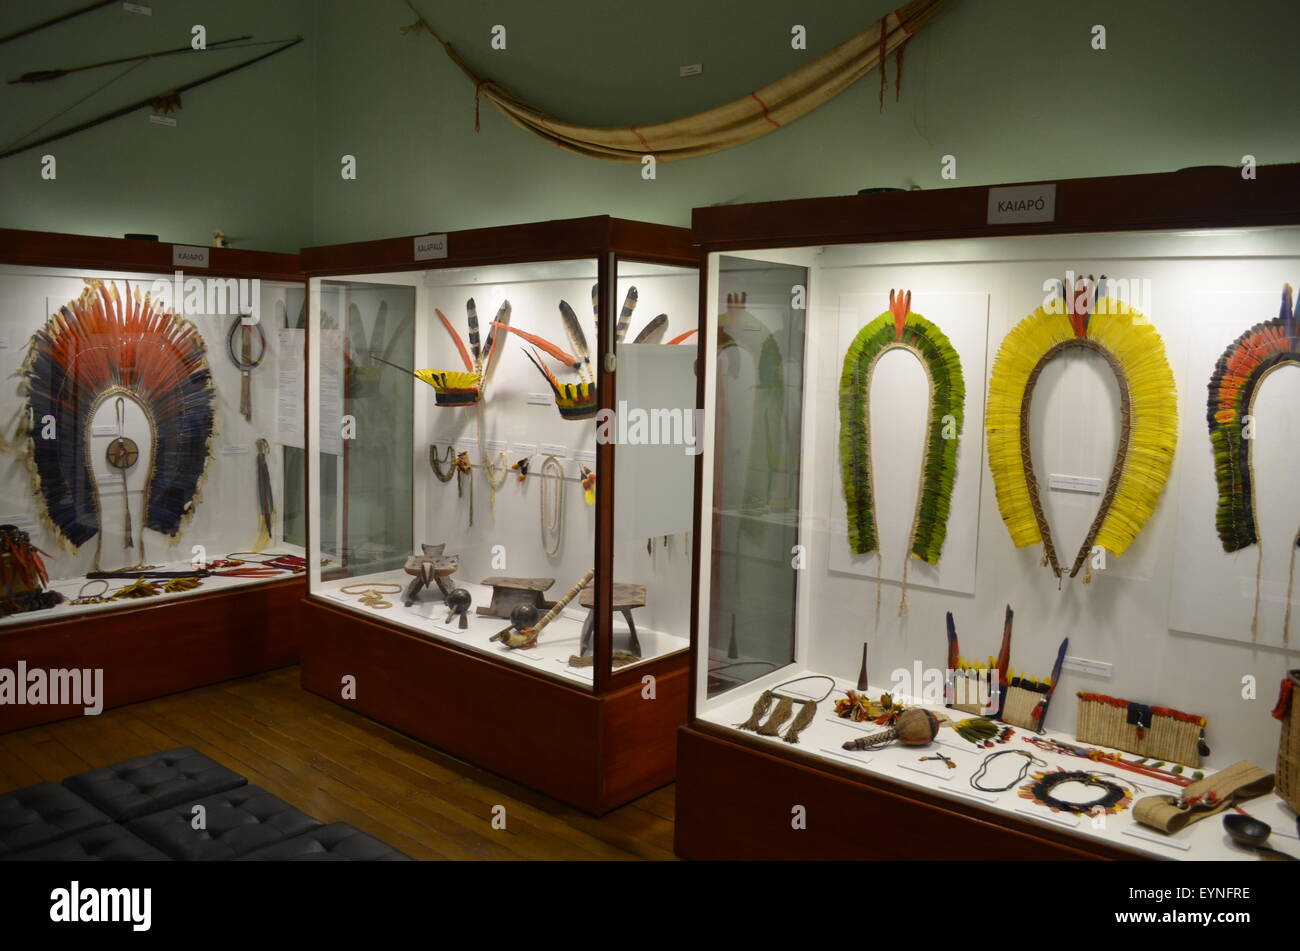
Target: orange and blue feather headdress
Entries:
(106, 344)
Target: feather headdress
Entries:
(1021, 700)
(101, 345)
(578, 400)
(1148, 424)
(900, 328)
(1238, 375)
(467, 387)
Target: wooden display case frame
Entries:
(734, 794)
(152, 648)
(594, 749)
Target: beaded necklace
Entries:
(465, 472)
(1030, 761)
(444, 475)
(552, 512)
(496, 472)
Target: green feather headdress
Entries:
(899, 328)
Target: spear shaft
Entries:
(45, 75)
(127, 110)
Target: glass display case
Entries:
(918, 601)
(501, 465)
(154, 454)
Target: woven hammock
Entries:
(742, 120)
(1236, 382)
(103, 345)
(900, 329)
(1148, 424)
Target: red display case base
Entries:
(161, 647)
(592, 751)
(736, 802)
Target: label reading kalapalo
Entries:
(430, 247)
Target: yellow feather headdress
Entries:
(1149, 418)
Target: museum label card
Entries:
(430, 247)
(1022, 203)
(1061, 818)
(1158, 839)
(1072, 483)
(187, 255)
(935, 768)
(855, 757)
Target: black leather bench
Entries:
(106, 843)
(336, 842)
(145, 809)
(43, 813)
(234, 823)
(147, 784)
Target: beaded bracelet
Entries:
(97, 598)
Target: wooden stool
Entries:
(509, 593)
(626, 597)
(432, 567)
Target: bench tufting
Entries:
(106, 843)
(336, 842)
(235, 823)
(43, 813)
(147, 784)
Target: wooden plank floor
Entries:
(339, 766)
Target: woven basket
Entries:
(1167, 735)
(1288, 751)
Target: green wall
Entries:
(1012, 89)
(236, 160)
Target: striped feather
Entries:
(472, 311)
(653, 330)
(493, 338)
(625, 317)
(577, 340)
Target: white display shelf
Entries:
(559, 640)
(1203, 841)
(69, 587)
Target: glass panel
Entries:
(758, 450)
(145, 436)
(655, 435)
(901, 488)
(471, 483)
(294, 458)
(365, 418)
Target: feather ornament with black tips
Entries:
(577, 340)
(625, 316)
